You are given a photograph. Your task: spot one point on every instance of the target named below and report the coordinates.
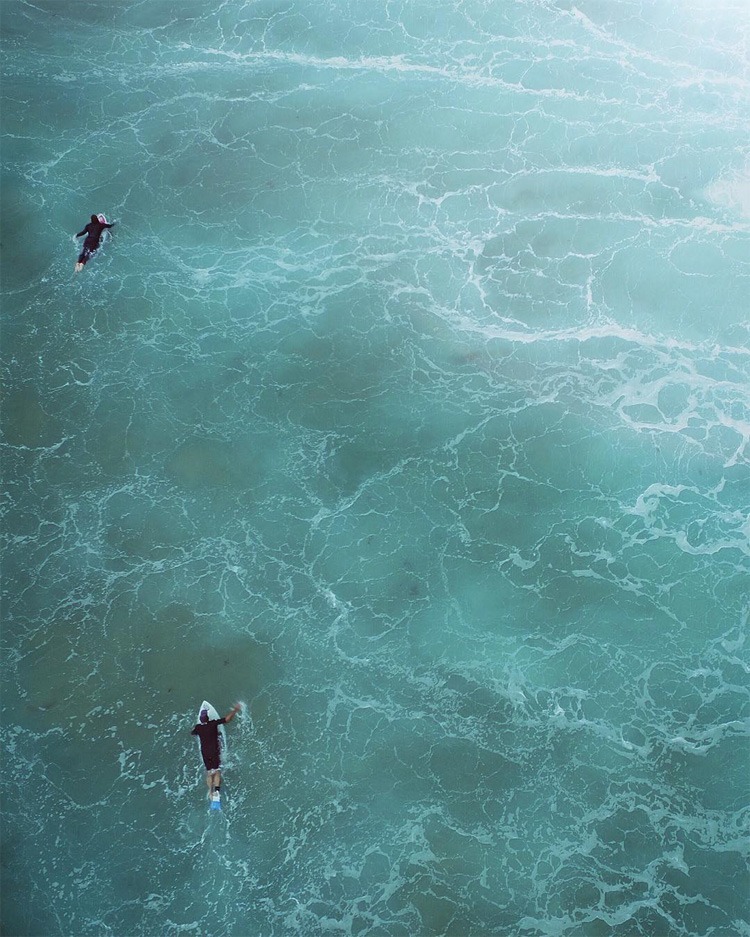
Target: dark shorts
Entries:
(212, 762)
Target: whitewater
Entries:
(408, 403)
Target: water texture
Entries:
(409, 403)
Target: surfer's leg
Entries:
(213, 779)
(83, 257)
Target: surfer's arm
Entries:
(81, 233)
(111, 225)
(232, 712)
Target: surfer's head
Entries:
(94, 218)
(204, 715)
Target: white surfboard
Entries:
(213, 714)
(105, 233)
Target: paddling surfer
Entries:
(207, 731)
(93, 232)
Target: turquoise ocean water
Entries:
(409, 403)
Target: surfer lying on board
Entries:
(93, 232)
(207, 731)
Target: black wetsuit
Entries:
(208, 733)
(93, 232)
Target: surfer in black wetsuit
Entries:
(93, 232)
(207, 731)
